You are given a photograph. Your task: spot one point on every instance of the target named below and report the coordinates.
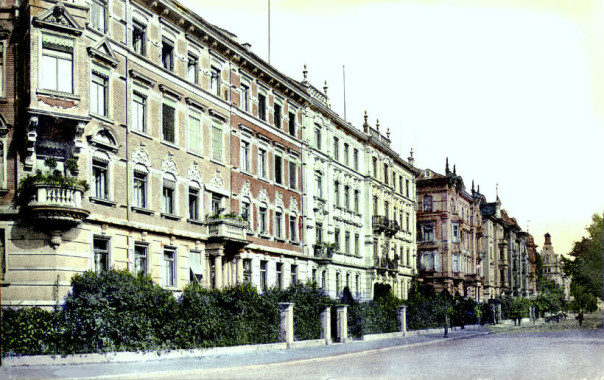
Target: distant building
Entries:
(449, 229)
(552, 266)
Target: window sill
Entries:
(169, 216)
(280, 185)
(293, 242)
(141, 133)
(195, 153)
(101, 201)
(59, 94)
(195, 221)
(217, 162)
(170, 144)
(264, 235)
(280, 240)
(141, 210)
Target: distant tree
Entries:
(585, 267)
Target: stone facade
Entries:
(449, 231)
(552, 266)
(199, 156)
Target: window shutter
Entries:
(216, 143)
(168, 122)
(194, 134)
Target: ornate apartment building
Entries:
(552, 266)
(390, 184)
(202, 161)
(449, 234)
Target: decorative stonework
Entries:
(56, 102)
(140, 156)
(263, 195)
(168, 165)
(279, 200)
(293, 204)
(216, 180)
(246, 190)
(194, 174)
(58, 18)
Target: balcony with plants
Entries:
(228, 227)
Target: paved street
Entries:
(545, 355)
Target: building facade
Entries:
(552, 266)
(150, 140)
(449, 232)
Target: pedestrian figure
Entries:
(580, 318)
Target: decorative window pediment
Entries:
(58, 18)
(103, 53)
(104, 139)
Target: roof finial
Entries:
(478, 189)
(377, 124)
(447, 166)
(365, 124)
(497, 191)
(454, 172)
(472, 186)
(325, 88)
(411, 159)
(388, 133)
(305, 72)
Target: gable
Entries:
(58, 18)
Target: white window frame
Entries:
(196, 115)
(57, 54)
(169, 280)
(137, 117)
(135, 255)
(217, 125)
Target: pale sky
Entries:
(511, 91)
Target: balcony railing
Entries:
(227, 228)
(386, 263)
(381, 223)
(323, 254)
(59, 206)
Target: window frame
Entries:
(278, 167)
(136, 255)
(168, 103)
(142, 34)
(57, 53)
(217, 126)
(167, 64)
(103, 167)
(196, 115)
(245, 151)
(262, 104)
(215, 80)
(194, 193)
(95, 6)
(140, 107)
(143, 179)
(105, 253)
(169, 280)
(100, 83)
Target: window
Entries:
(319, 184)
(455, 232)
(263, 275)
(140, 189)
(2, 46)
(347, 197)
(262, 220)
(427, 231)
(245, 97)
(216, 200)
(279, 275)
(262, 106)
(56, 70)
(278, 224)
(247, 271)
(336, 238)
(139, 105)
(355, 156)
(169, 274)
(277, 115)
(318, 138)
(347, 242)
(374, 162)
(336, 189)
(98, 94)
(338, 281)
(314, 275)
(292, 124)
(293, 174)
(97, 15)
(294, 274)
(407, 188)
(168, 120)
(400, 184)
(324, 280)
(375, 206)
(346, 160)
(138, 38)
(261, 163)
(244, 210)
(215, 81)
(216, 141)
(278, 169)
(192, 69)
(100, 180)
(318, 233)
(140, 259)
(357, 281)
(245, 156)
(293, 236)
(194, 132)
(407, 222)
(356, 245)
(336, 149)
(456, 263)
(356, 201)
(386, 209)
(386, 174)
(409, 263)
(101, 254)
(167, 55)
(348, 280)
(193, 203)
(427, 202)
(167, 198)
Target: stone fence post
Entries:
(342, 323)
(286, 327)
(402, 319)
(326, 325)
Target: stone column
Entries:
(239, 279)
(342, 323)
(402, 319)
(286, 327)
(218, 272)
(326, 325)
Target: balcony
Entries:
(227, 228)
(383, 224)
(386, 263)
(323, 252)
(56, 206)
(472, 278)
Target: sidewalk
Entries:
(172, 365)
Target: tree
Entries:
(585, 268)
